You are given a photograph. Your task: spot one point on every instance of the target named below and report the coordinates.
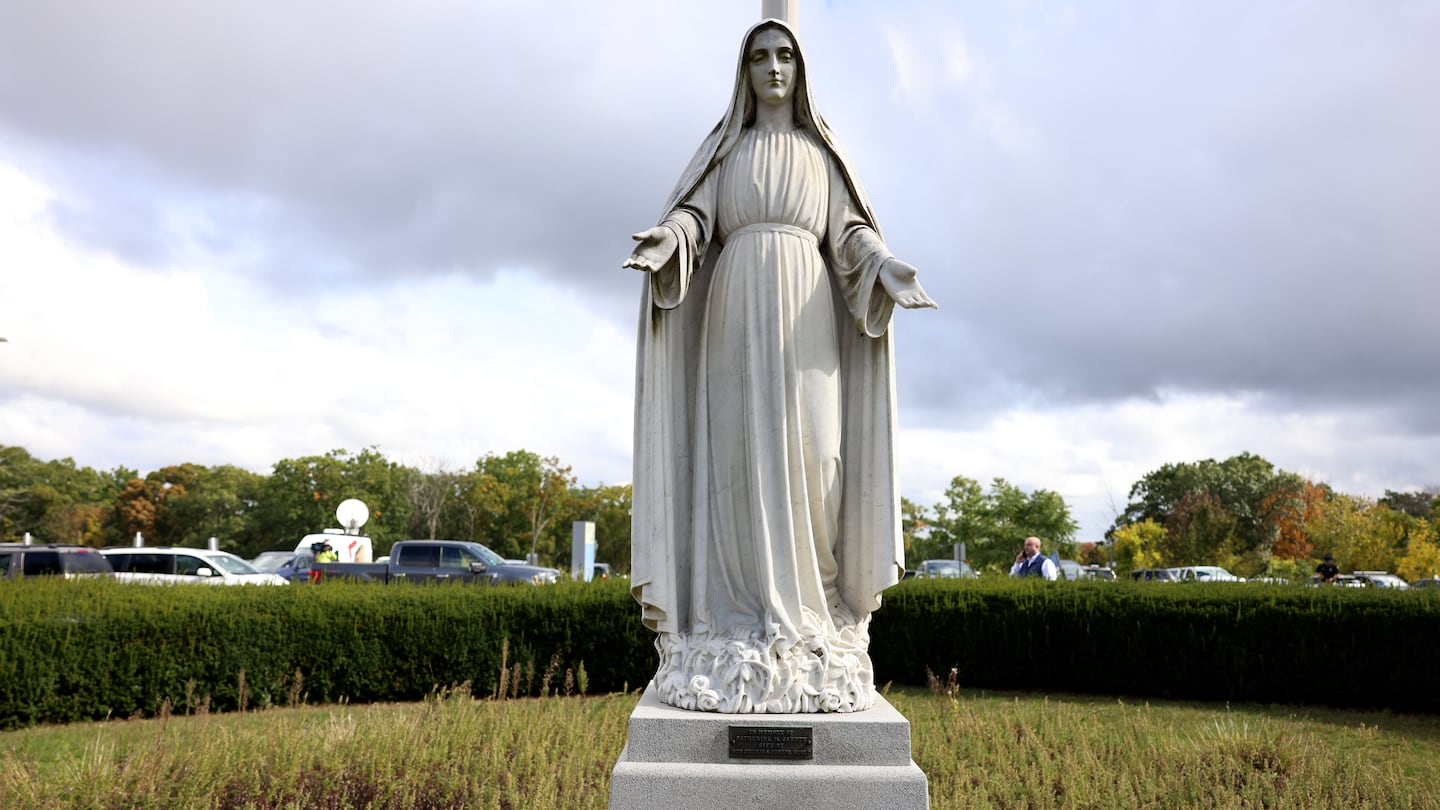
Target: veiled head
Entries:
(740, 114)
(766, 42)
(773, 65)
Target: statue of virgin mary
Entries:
(766, 517)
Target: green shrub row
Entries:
(87, 650)
(1339, 647)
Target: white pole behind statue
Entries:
(787, 10)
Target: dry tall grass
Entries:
(978, 750)
(1034, 752)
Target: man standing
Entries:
(1328, 570)
(1031, 563)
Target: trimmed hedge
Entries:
(74, 651)
(1350, 647)
(87, 650)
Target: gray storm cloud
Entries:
(1108, 202)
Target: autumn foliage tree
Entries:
(1421, 560)
(1237, 486)
(1241, 513)
(137, 507)
(1137, 545)
(1200, 531)
(1349, 528)
(1286, 510)
(57, 501)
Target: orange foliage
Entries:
(1287, 510)
(135, 508)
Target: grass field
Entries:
(978, 750)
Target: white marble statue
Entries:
(766, 518)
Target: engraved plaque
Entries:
(772, 742)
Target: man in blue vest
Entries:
(1031, 563)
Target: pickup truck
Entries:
(438, 561)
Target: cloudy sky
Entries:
(236, 232)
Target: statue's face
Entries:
(772, 66)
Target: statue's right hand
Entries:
(657, 246)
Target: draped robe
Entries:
(766, 517)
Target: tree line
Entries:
(1242, 513)
(516, 503)
(1246, 515)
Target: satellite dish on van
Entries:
(352, 514)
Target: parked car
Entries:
(166, 565)
(1069, 569)
(1430, 582)
(1097, 572)
(1382, 579)
(292, 565)
(945, 569)
(1205, 573)
(1341, 580)
(1155, 575)
(18, 561)
(437, 561)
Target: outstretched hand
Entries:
(899, 281)
(657, 246)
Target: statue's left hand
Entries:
(899, 280)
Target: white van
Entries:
(350, 547)
(165, 565)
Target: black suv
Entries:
(18, 561)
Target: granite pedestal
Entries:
(676, 758)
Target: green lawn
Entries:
(978, 749)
